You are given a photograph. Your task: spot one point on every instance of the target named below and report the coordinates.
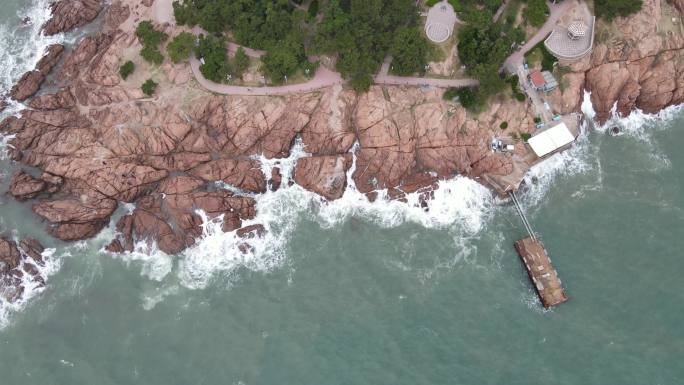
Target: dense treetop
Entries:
(359, 32)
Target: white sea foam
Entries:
(22, 46)
(32, 286)
(460, 205)
(4, 145)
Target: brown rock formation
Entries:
(325, 175)
(31, 81)
(244, 173)
(116, 14)
(70, 14)
(636, 66)
(169, 218)
(23, 186)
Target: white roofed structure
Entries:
(440, 22)
(551, 140)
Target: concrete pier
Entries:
(541, 272)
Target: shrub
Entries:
(240, 62)
(148, 35)
(536, 12)
(503, 125)
(313, 9)
(525, 136)
(608, 9)
(537, 120)
(180, 48)
(519, 96)
(150, 39)
(467, 97)
(152, 55)
(126, 69)
(149, 87)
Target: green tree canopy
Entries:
(536, 12)
(608, 9)
(181, 47)
(282, 60)
(409, 50)
(150, 39)
(212, 51)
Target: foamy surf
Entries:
(460, 205)
(21, 45)
(32, 285)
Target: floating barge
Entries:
(541, 272)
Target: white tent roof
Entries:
(551, 140)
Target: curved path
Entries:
(557, 10)
(323, 78)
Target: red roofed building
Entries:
(542, 81)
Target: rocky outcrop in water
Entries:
(31, 81)
(68, 15)
(18, 266)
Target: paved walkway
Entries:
(383, 77)
(517, 58)
(323, 78)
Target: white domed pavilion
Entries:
(440, 22)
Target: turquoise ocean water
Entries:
(353, 293)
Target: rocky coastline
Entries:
(99, 141)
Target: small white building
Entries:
(440, 22)
(549, 141)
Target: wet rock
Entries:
(23, 186)
(31, 81)
(324, 175)
(10, 258)
(74, 218)
(245, 174)
(68, 15)
(169, 216)
(33, 249)
(276, 179)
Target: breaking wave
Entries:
(22, 45)
(32, 285)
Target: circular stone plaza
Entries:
(440, 22)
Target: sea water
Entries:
(373, 293)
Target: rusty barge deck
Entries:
(541, 272)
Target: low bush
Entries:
(149, 87)
(126, 69)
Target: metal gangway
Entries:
(518, 207)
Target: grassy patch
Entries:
(540, 55)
